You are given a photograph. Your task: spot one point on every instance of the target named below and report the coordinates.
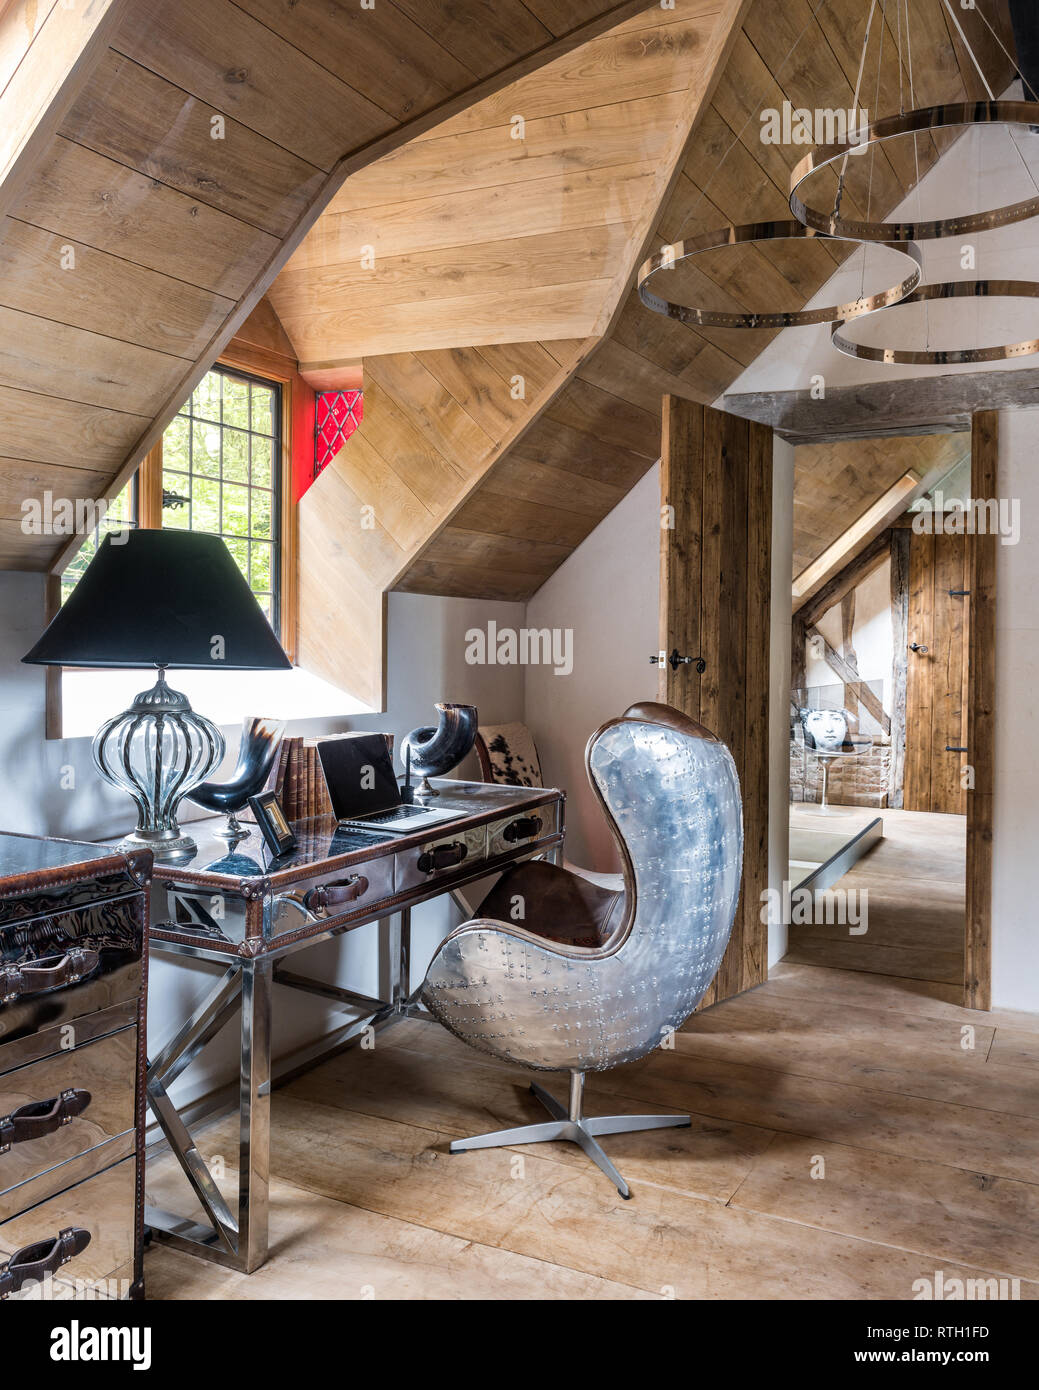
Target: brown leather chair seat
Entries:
(556, 904)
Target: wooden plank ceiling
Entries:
(601, 433)
(835, 483)
(159, 162)
(511, 222)
(439, 415)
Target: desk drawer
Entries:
(59, 967)
(518, 830)
(437, 859)
(83, 1238)
(56, 1109)
(343, 893)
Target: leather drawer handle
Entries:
(40, 1117)
(49, 972)
(442, 857)
(523, 829)
(328, 895)
(33, 1262)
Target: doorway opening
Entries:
(892, 605)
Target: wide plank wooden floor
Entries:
(851, 1133)
(916, 882)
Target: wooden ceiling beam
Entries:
(43, 67)
(860, 567)
(859, 534)
(910, 405)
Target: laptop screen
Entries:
(359, 775)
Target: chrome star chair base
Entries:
(573, 1126)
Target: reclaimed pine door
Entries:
(936, 679)
(715, 591)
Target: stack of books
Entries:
(297, 778)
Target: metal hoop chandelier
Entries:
(1022, 113)
(754, 233)
(951, 289)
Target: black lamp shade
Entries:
(161, 598)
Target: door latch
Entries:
(675, 660)
(916, 647)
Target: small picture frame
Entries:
(271, 819)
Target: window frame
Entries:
(150, 475)
(269, 369)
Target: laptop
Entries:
(362, 788)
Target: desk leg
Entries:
(255, 1115)
(400, 963)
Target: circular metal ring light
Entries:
(952, 289)
(756, 232)
(1021, 113)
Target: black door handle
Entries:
(675, 660)
(916, 647)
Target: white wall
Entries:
(870, 635)
(1015, 869)
(608, 593)
(425, 662)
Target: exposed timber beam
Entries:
(857, 569)
(876, 519)
(909, 406)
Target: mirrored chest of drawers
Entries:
(73, 920)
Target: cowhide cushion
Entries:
(513, 755)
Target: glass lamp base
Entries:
(157, 751)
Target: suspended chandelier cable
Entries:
(899, 236)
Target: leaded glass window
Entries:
(221, 473)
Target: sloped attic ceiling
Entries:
(516, 220)
(108, 113)
(598, 436)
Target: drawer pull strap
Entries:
(33, 1262)
(442, 857)
(40, 1117)
(327, 895)
(523, 829)
(50, 972)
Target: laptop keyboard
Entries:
(398, 813)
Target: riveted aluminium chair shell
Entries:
(671, 796)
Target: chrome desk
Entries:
(245, 912)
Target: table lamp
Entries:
(173, 600)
